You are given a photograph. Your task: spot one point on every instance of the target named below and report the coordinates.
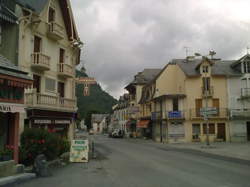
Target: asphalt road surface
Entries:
(136, 163)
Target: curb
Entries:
(16, 179)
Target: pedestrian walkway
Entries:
(234, 150)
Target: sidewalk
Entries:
(233, 150)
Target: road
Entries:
(136, 163)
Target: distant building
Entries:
(99, 122)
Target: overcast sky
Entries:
(122, 37)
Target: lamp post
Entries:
(206, 89)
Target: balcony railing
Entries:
(33, 99)
(40, 61)
(240, 113)
(65, 70)
(55, 31)
(221, 113)
(245, 92)
(207, 92)
(175, 115)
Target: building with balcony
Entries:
(139, 116)
(49, 50)
(239, 100)
(183, 90)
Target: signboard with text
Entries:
(79, 151)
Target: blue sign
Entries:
(175, 114)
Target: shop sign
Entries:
(11, 108)
(79, 151)
(62, 122)
(42, 121)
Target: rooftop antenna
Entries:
(186, 50)
(248, 49)
(212, 53)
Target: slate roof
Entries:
(6, 14)
(35, 5)
(145, 76)
(8, 68)
(220, 67)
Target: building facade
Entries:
(49, 50)
(13, 81)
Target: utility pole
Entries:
(206, 89)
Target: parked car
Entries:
(117, 133)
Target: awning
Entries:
(7, 15)
(142, 124)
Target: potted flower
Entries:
(7, 153)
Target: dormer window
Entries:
(246, 66)
(205, 69)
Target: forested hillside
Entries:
(98, 101)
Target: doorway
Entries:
(37, 82)
(221, 131)
(248, 131)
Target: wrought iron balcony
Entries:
(197, 114)
(171, 115)
(55, 31)
(40, 61)
(245, 93)
(240, 113)
(65, 70)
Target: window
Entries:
(52, 13)
(175, 104)
(61, 55)
(246, 66)
(37, 44)
(206, 83)
(50, 84)
(204, 69)
(211, 128)
(196, 131)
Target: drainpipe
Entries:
(161, 120)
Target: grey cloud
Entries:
(149, 33)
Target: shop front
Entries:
(12, 85)
(144, 129)
(61, 123)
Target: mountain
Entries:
(98, 101)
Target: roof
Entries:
(145, 76)
(8, 68)
(220, 67)
(98, 117)
(6, 14)
(35, 5)
(245, 57)
(38, 5)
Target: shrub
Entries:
(39, 141)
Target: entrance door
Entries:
(221, 131)
(37, 44)
(61, 89)
(198, 105)
(248, 131)
(36, 83)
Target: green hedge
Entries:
(39, 141)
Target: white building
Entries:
(239, 100)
